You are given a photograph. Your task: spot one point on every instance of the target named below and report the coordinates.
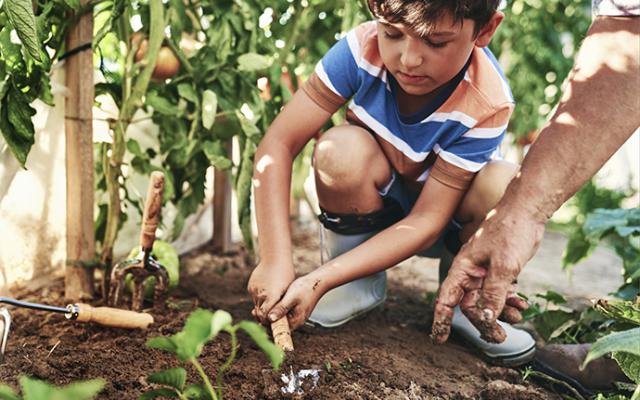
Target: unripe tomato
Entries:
(167, 256)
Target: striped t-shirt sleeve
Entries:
(472, 149)
(335, 77)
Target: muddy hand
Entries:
(267, 285)
(298, 302)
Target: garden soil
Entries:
(385, 354)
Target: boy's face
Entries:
(423, 64)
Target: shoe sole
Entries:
(512, 360)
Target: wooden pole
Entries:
(222, 207)
(79, 162)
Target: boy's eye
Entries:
(392, 35)
(437, 45)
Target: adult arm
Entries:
(598, 112)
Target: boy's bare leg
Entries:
(485, 191)
(350, 168)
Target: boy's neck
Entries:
(409, 104)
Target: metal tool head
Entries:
(139, 271)
(5, 326)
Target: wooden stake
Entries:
(79, 162)
(282, 334)
(222, 208)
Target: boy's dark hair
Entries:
(422, 15)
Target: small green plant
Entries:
(624, 344)
(201, 327)
(33, 389)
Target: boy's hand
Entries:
(299, 301)
(501, 247)
(267, 285)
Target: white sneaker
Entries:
(517, 349)
(346, 302)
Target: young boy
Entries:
(409, 172)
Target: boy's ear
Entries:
(486, 33)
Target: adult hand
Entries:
(482, 276)
(299, 301)
(267, 285)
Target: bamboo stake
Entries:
(222, 208)
(79, 162)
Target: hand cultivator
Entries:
(143, 266)
(105, 316)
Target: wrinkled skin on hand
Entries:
(299, 301)
(267, 285)
(483, 275)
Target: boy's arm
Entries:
(296, 124)
(420, 229)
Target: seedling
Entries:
(201, 327)
(33, 389)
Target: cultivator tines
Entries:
(5, 325)
(140, 271)
(143, 266)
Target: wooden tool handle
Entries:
(282, 334)
(114, 317)
(152, 206)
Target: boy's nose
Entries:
(411, 56)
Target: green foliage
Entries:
(201, 327)
(536, 44)
(33, 389)
(25, 65)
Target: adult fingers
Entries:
(450, 293)
(516, 301)
(510, 314)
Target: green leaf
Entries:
(160, 392)
(625, 221)
(626, 341)
(260, 337)
(6, 393)
(552, 323)
(15, 122)
(221, 320)
(187, 92)
(134, 148)
(174, 377)
(20, 13)
(73, 4)
(209, 108)
(630, 365)
(162, 343)
(253, 62)
(34, 389)
(197, 392)
(216, 154)
(81, 390)
(552, 297)
(249, 128)
(161, 105)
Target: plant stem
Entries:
(130, 103)
(205, 379)
(636, 393)
(227, 364)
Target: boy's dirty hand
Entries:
(299, 301)
(482, 277)
(267, 285)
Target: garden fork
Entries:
(143, 266)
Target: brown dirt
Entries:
(385, 354)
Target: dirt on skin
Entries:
(385, 354)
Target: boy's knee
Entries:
(348, 155)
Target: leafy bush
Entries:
(33, 389)
(201, 327)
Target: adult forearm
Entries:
(599, 111)
(272, 183)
